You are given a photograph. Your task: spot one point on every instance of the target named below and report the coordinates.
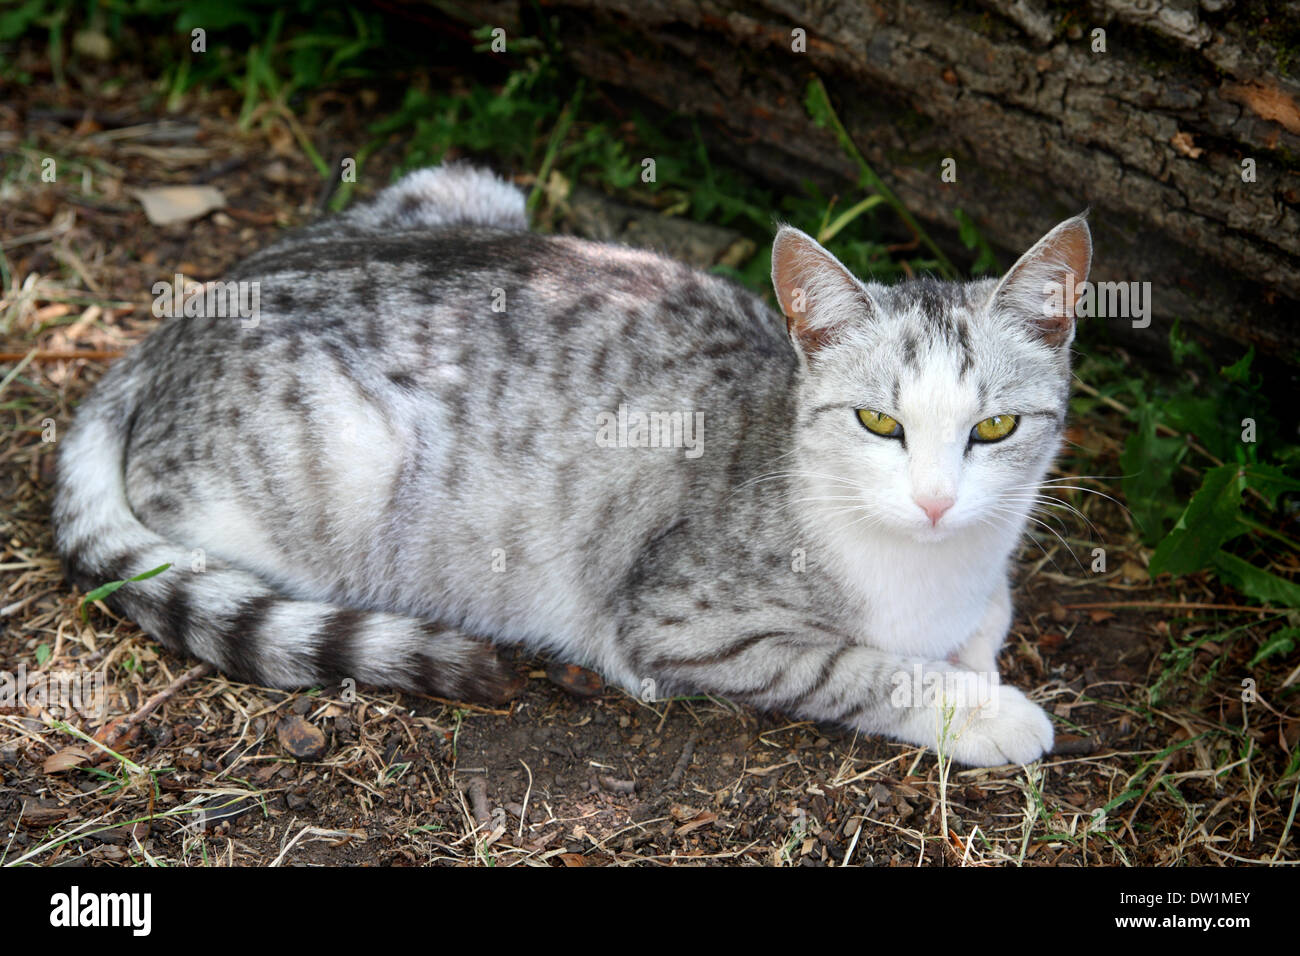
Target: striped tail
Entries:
(440, 197)
(229, 617)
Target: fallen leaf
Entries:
(93, 44)
(1134, 573)
(578, 681)
(301, 739)
(1073, 745)
(65, 759)
(34, 815)
(165, 205)
(956, 842)
(681, 813)
(703, 820)
(116, 733)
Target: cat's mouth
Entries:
(927, 533)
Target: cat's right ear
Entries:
(1046, 282)
(816, 292)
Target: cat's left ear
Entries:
(1045, 283)
(817, 293)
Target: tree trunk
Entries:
(1158, 134)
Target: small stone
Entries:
(301, 739)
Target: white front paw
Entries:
(1016, 730)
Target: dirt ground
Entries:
(206, 776)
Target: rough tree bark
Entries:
(1151, 134)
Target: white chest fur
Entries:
(921, 598)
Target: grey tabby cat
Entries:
(434, 439)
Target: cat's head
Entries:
(927, 407)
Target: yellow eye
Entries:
(879, 423)
(994, 429)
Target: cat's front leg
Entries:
(934, 704)
(980, 653)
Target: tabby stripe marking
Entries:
(333, 656)
(726, 654)
(239, 651)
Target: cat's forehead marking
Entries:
(909, 349)
(934, 303)
(919, 342)
(963, 344)
(928, 309)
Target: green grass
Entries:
(104, 590)
(1206, 503)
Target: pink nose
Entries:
(933, 507)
